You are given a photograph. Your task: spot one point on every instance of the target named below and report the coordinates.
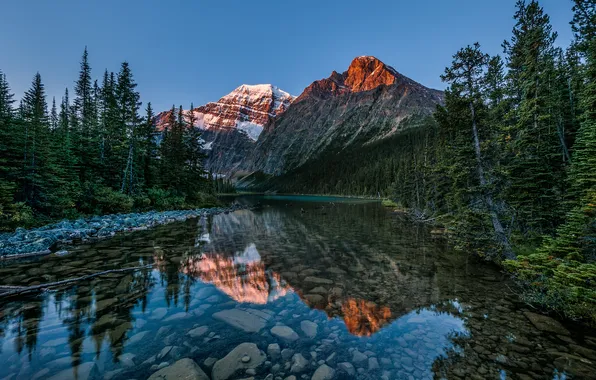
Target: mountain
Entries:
(368, 103)
(232, 125)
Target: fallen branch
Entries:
(9, 290)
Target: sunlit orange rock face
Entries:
(364, 74)
(364, 318)
(243, 282)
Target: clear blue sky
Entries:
(199, 50)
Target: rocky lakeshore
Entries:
(44, 240)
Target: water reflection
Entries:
(242, 277)
(384, 297)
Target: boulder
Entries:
(544, 323)
(299, 363)
(245, 320)
(309, 329)
(244, 356)
(324, 372)
(285, 333)
(183, 369)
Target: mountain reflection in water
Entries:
(383, 295)
(242, 277)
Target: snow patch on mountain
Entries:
(252, 130)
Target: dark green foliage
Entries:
(535, 163)
(94, 155)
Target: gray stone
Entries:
(181, 370)
(318, 280)
(177, 317)
(158, 313)
(285, 333)
(324, 372)
(274, 350)
(544, 323)
(347, 367)
(286, 354)
(85, 371)
(373, 364)
(111, 374)
(358, 357)
(198, 332)
(309, 328)
(226, 368)
(331, 359)
(247, 320)
(314, 299)
(580, 367)
(209, 362)
(299, 363)
(137, 337)
(127, 360)
(164, 352)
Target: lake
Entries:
(301, 288)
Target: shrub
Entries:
(563, 285)
(108, 201)
(201, 200)
(162, 199)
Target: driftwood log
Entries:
(11, 291)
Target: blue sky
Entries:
(199, 50)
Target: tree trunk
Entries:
(498, 227)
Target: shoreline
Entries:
(43, 240)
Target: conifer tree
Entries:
(84, 115)
(128, 104)
(194, 153)
(466, 78)
(576, 239)
(8, 157)
(534, 165)
(148, 147)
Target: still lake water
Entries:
(337, 286)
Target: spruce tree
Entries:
(576, 239)
(195, 174)
(466, 78)
(534, 165)
(148, 147)
(84, 113)
(34, 108)
(128, 104)
(8, 158)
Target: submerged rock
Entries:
(244, 356)
(285, 333)
(182, 369)
(324, 372)
(247, 320)
(85, 371)
(299, 363)
(544, 323)
(309, 328)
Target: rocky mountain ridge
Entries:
(368, 102)
(262, 129)
(232, 124)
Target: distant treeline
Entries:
(94, 154)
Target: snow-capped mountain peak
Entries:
(247, 108)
